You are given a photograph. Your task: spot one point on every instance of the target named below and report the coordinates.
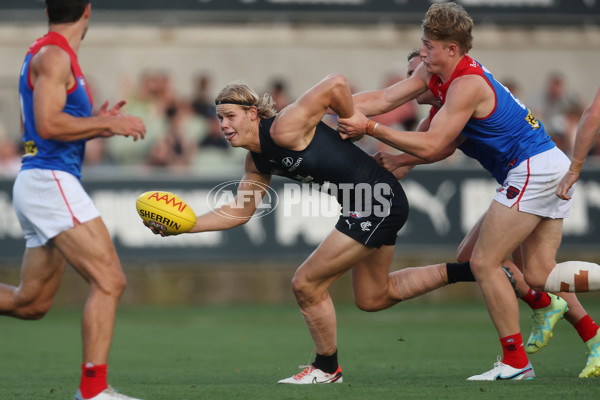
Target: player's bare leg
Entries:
(587, 329)
(494, 246)
(570, 276)
(539, 251)
(41, 273)
(375, 288)
(88, 248)
(371, 285)
(547, 309)
(336, 255)
(491, 249)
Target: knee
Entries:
(369, 305)
(300, 287)
(477, 266)
(118, 284)
(34, 311)
(30, 306)
(308, 291)
(535, 281)
(112, 284)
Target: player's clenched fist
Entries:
(354, 126)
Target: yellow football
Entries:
(165, 211)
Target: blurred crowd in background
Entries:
(183, 134)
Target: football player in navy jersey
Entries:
(59, 220)
(295, 143)
(520, 155)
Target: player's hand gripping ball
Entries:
(165, 212)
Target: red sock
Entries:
(587, 328)
(536, 300)
(93, 380)
(513, 352)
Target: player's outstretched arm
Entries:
(464, 97)
(51, 78)
(392, 162)
(240, 210)
(587, 131)
(377, 102)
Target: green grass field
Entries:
(418, 350)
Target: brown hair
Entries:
(449, 22)
(242, 95)
(414, 53)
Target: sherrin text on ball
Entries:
(166, 212)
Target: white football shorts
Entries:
(48, 202)
(531, 186)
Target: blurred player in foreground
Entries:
(587, 132)
(547, 308)
(519, 154)
(60, 222)
(296, 144)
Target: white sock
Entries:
(574, 276)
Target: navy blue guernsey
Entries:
(327, 159)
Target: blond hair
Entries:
(240, 94)
(449, 22)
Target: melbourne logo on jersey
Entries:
(512, 192)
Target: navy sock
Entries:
(459, 272)
(327, 364)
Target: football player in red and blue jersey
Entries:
(547, 308)
(521, 156)
(58, 218)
